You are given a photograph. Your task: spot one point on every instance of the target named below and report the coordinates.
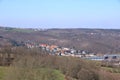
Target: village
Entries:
(63, 51)
(60, 51)
(110, 59)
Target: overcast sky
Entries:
(60, 13)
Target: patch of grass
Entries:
(50, 74)
(34, 74)
(2, 71)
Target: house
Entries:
(30, 45)
(90, 55)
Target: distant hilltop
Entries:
(40, 29)
(93, 40)
(13, 28)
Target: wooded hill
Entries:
(92, 40)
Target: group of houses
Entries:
(61, 51)
(64, 51)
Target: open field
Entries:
(35, 74)
(2, 72)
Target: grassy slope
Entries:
(50, 74)
(39, 74)
(2, 69)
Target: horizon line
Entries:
(59, 28)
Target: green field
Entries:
(33, 74)
(50, 74)
(2, 71)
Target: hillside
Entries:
(34, 64)
(93, 40)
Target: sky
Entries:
(60, 13)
